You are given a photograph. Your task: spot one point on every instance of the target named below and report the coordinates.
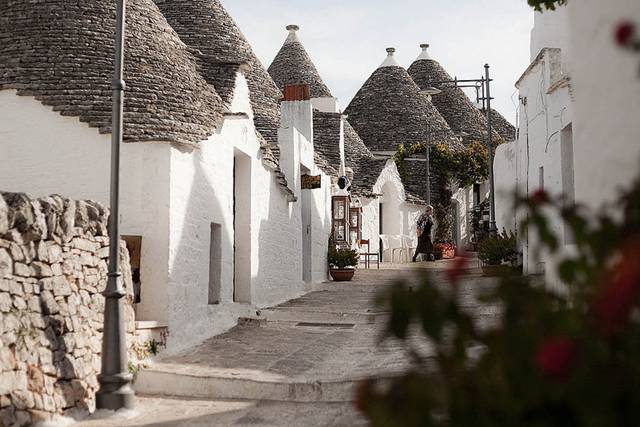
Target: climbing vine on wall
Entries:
(465, 167)
(460, 167)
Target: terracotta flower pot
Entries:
(342, 275)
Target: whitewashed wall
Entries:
(542, 156)
(61, 155)
(399, 217)
(505, 172)
(607, 106)
(171, 197)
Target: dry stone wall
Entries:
(53, 268)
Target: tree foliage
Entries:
(541, 5)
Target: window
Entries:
(215, 264)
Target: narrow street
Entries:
(295, 364)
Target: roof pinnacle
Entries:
(424, 54)
(390, 61)
(293, 34)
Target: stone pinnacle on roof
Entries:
(62, 53)
(390, 60)
(453, 104)
(293, 34)
(424, 54)
(292, 65)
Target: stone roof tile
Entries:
(452, 103)
(390, 110)
(62, 53)
(220, 46)
(292, 65)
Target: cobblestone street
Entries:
(295, 364)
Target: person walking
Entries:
(425, 224)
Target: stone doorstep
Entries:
(207, 384)
(295, 315)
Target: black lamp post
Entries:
(492, 190)
(482, 84)
(115, 381)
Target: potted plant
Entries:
(444, 250)
(495, 251)
(342, 263)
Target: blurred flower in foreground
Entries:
(624, 33)
(539, 197)
(620, 291)
(454, 272)
(555, 358)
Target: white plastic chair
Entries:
(395, 242)
(408, 246)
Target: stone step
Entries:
(294, 315)
(232, 384)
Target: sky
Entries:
(346, 39)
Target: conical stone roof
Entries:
(292, 65)
(390, 110)
(453, 104)
(61, 53)
(502, 126)
(207, 28)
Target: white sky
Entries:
(346, 39)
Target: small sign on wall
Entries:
(310, 182)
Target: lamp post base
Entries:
(115, 392)
(493, 230)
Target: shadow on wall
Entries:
(201, 265)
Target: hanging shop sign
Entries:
(311, 182)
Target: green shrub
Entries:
(341, 258)
(494, 250)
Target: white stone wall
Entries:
(399, 217)
(551, 30)
(171, 197)
(505, 171)
(542, 156)
(606, 86)
(61, 155)
(463, 198)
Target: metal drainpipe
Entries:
(115, 380)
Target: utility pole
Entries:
(115, 380)
(492, 190)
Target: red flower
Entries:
(539, 197)
(454, 272)
(620, 293)
(555, 358)
(624, 33)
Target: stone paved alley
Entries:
(295, 364)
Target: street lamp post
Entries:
(115, 381)
(483, 85)
(492, 191)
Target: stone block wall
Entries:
(53, 268)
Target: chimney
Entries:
(297, 92)
(295, 135)
(390, 61)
